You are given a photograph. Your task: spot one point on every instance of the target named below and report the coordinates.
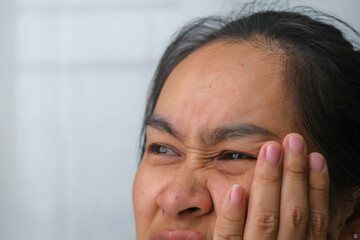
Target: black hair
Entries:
(321, 67)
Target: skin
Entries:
(188, 183)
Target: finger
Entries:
(230, 222)
(263, 209)
(294, 189)
(318, 197)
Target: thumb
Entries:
(230, 222)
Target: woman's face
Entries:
(215, 111)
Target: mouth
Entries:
(176, 235)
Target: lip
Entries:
(176, 235)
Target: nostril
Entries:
(189, 210)
(193, 209)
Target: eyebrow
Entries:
(159, 123)
(213, 136)
(234, 131)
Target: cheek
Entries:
(145, 193)
(139, 193)
(219, 186)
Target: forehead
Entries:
(224, 83)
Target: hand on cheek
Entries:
(288, 198)
(267, 178)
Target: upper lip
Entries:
(176, 235)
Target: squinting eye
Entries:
(159, 149)
(235, 156)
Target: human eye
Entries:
(161, 149)
(233, 156)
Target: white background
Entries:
(73, 80)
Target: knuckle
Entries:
(267, 223)
(318, 224)
(320, 194)
(225, 236)
(319, 187)
(229, 222)
(229, 228)
(268, 179)
(297, 172)
(298, 216)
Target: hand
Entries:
(288, 198)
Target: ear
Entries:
(351, 229)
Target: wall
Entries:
(73, 81)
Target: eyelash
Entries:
(231, 156)
(159, 150)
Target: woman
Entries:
(238, 114)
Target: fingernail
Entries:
(236, 194)
(316, 162)
(273, 152)
(296, 144)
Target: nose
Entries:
(186, 196)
